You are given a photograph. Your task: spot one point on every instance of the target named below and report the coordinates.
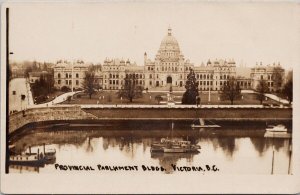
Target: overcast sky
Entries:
(247, 32)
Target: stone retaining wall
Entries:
(67, 113)
(17, 120)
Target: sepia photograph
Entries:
(148, 89)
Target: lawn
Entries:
(111, 97)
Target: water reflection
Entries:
(240, 154)
(167, 159)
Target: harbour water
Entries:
(230, 151)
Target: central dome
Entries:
(169, 43)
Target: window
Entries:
(77, 75)
(77, 82)
(58, 75)
(66, 75)
(150, 83)
(59, 81)
(150, 76)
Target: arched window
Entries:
(77, 75)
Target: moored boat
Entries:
(277, 129)
(174, 146)
(201, 124)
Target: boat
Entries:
(37, 159)
(50, 156)
(174, 146)
(28, 159)
(277, 131)
(203, 125)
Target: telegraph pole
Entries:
(7, 93)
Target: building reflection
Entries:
(167, 159)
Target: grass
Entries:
(111, 97)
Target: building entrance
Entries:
(169, 80)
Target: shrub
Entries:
(65, 89)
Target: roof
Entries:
(37, 73)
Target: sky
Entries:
(246, 32)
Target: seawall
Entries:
(77, 115)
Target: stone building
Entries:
(37, 75)
(69, 74)
(169, 68)
(272, 74)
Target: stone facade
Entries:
(169, 68)
(69, 74)
(272, 74)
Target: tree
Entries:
(191, 86)
(261, 89)
(277, 77)
(88, 83)
(28, 69)
(231, 90)
(158, 98)
(131, 90)
(198, 100)
(288, 88)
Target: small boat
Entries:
(277, 131)
(50, 156)
(202, 124)
(28, 159)
(277, 128)
(35, 159)
(174, 146)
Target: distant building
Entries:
(274, 76)
(36, 76)
(69, 74)
(169, 68)
(17, 72)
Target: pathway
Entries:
(57, 100)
